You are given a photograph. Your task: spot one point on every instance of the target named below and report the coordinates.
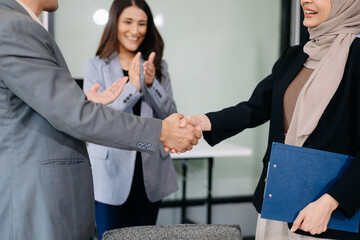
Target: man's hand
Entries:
(107, 96)
(180, 139)
(315, 217)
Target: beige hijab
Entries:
(328, 51)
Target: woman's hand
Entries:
(134, 72)
(109, 95)
(201, 122)
(315, 217)
(149, 70)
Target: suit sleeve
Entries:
(252, 113)
(30, 69)
(160, 96)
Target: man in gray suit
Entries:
(45, 176)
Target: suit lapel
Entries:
(112, 70)
(291, 71)
(12, 4)
(286, 75)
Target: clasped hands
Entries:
(180, 133)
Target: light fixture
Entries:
(101, 17)
(159, 20)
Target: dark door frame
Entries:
(290, 13)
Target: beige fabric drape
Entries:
(275, 230)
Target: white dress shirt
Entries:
(31, 13)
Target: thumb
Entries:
(179, 115)
(184, 121)
(152, 57)
(297, 223)
(95, 87)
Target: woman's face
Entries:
(132, 26)
(316, 12)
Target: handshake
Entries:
(180, 133)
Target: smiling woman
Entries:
(130, 185)
(132, 27)
(309, 99)
(315, 11)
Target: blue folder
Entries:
(298, 176)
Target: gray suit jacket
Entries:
(112, 168)
(45, 175)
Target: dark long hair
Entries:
(153, 41)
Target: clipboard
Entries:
(298, 176)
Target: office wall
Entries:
(217, 52)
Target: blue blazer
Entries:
(112, 168)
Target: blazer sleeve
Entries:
(160, 96)
(252, 113)
(30, 68)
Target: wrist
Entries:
(332, 203)
(136, 83)
(205, 123)
(164, 130)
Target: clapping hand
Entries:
(149, 70)
(107, 96)
(134, 72)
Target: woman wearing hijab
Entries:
(129, 185)
(312, 99)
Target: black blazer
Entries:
(338, 129)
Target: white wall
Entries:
(217, 52)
